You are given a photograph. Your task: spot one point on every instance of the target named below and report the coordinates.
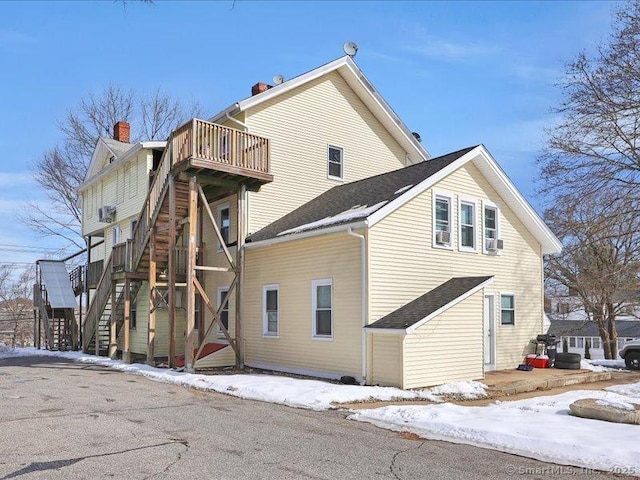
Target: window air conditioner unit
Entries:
(493, 244)
(443, 238)
(107, 214)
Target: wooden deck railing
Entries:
(121, 254)
(98, 304)
(94, 272)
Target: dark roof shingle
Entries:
(356, 200)
(423, 306)
(577, 328)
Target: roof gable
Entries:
(363, 88)
(105, 149)
(416, 313)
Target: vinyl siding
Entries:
(386, 352)
(293, 266)
(221, 358)
(404, 265)
(301, 125)
(447, 348)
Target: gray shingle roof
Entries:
(573, 328)
(116, 146)
(430, 302)
(356, 200)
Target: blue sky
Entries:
(458, 73)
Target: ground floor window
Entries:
(508, 309)
(322, 308)
(224, 313)
(270, 310)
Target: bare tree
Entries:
(61, 170)
(595, 143)
(600, 259)
(16, 308)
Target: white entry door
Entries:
(489, 333)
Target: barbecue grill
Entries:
(549, 342)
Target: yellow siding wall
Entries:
(404, 265)
(301, 124)
(386, 365)
(293, 265)
(448, 347)
(125, 188)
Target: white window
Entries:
(580, 342)
(335, 162)
(442, 234)
(116, 235)
(572, 342)
(224, 223)
(595, 342)
(270, 310)
(133, 228)
(491, 227)
(224, 313)
(467, 218)
(508, 309)
(322, 308)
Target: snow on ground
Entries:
(607, 364)
(462, 389)
(294, 392)
(539, 428)
(588, 365)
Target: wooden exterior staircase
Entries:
(220, 160)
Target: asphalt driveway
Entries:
(60, 419)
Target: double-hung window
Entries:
(322, 308)
(508, 309)
(442, 220)
(270, 310)
(491, 231)
(467, 225)
(335, 162)
(224, 223)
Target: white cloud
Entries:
(16, 179)
(533, 73)
(447, 50)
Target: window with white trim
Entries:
(507, 309)
(322, 308)
(490, 231)
(572, 342)
(270, 310)
(224, 223)
(224, 313)
(335, 162)
(116, 235)
(595, 342)
(467, 225)
(442, 221)
(580, 342)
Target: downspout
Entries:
(363, 290)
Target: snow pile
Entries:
(467, 390)
(608, 364)
(586, 365)
(294, 392)
(403, 189)
(354, 213)
(539, 428)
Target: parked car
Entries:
(631, 354)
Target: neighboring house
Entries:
(305, 229)
(16, 322)
(577, 333)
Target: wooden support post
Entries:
(113, 345)
(191, 264)
(172, 272)
(151, 331)
(126, 349)
(242, 234)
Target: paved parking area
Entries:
(60, 419)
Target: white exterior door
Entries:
(489, 333)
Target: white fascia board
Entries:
(311, 233)
(153, 144)
(533, 221)
(446, 307)
(386, 331)
(420, 188)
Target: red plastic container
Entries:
(537, 361)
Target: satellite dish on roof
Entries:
(278, 79)
(350, 48)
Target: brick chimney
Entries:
(259, 88)
(121, 132)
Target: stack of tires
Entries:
(567, 361)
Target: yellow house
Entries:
(306, 229)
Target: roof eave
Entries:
(310, 233)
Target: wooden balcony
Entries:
(94, 272)
(223, 153)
